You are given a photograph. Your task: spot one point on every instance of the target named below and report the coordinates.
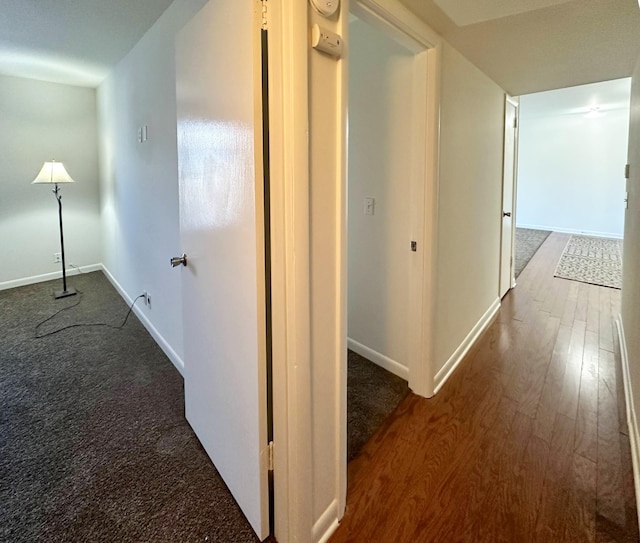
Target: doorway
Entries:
(572, 145)
(385, 219)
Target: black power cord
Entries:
(40, 336)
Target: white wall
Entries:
(570, 167)
(139, 181)
(630, 284)
(41, 121)
(469, 212)
(380, 99)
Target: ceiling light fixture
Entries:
(594, 111)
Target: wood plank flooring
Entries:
(526, 442)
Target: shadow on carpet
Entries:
(528, 241)
(372, 395)
(94, 445)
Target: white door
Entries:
(509, 176)
(219, 116)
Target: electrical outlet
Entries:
(146, 298)
(57, 257)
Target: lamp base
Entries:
(65, 293)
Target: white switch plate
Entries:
(369, 206)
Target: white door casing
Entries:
(219, 120)
(508, 192)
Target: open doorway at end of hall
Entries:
(379, 228)
(571, 154)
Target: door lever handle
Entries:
(506, 213)
(177, 260)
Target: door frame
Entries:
(510, 101)
(293, 91)
(290, 269)
(402, 26)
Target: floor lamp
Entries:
(54, 173)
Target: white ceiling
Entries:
(75, 42)
(605, 96)
(466, 12)
(524, 45)
(549, 47)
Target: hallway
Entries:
(527, 441)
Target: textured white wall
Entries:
(139, 181)
(469, 214)
(41, 121)
(570, 167)
(380, 98)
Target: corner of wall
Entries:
(458, 356)
(155, 334)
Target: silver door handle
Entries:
(177, 260)
(506, 213)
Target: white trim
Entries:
(406, 27)
(157, 336)
(377, 358)
(463, 349)
(290, 273)
(513, 154)
(341, 274)
(327, 523)
(632, 421)
(48, 276)
(571, 231)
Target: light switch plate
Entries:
(369, 206)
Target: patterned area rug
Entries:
(597, 261)
(528, 241)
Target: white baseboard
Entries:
(463, 349)
(381, 360)
(632, 421)
(71, 272)
(571, 231)
(327, 523)
(157, 336)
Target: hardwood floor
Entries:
(526, 442)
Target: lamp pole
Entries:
(64, 293)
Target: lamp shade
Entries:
(52, 172)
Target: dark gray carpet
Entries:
(528, 241)
(94, 446)
(372, 394)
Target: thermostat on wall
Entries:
(326, 41)
(326, 7)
